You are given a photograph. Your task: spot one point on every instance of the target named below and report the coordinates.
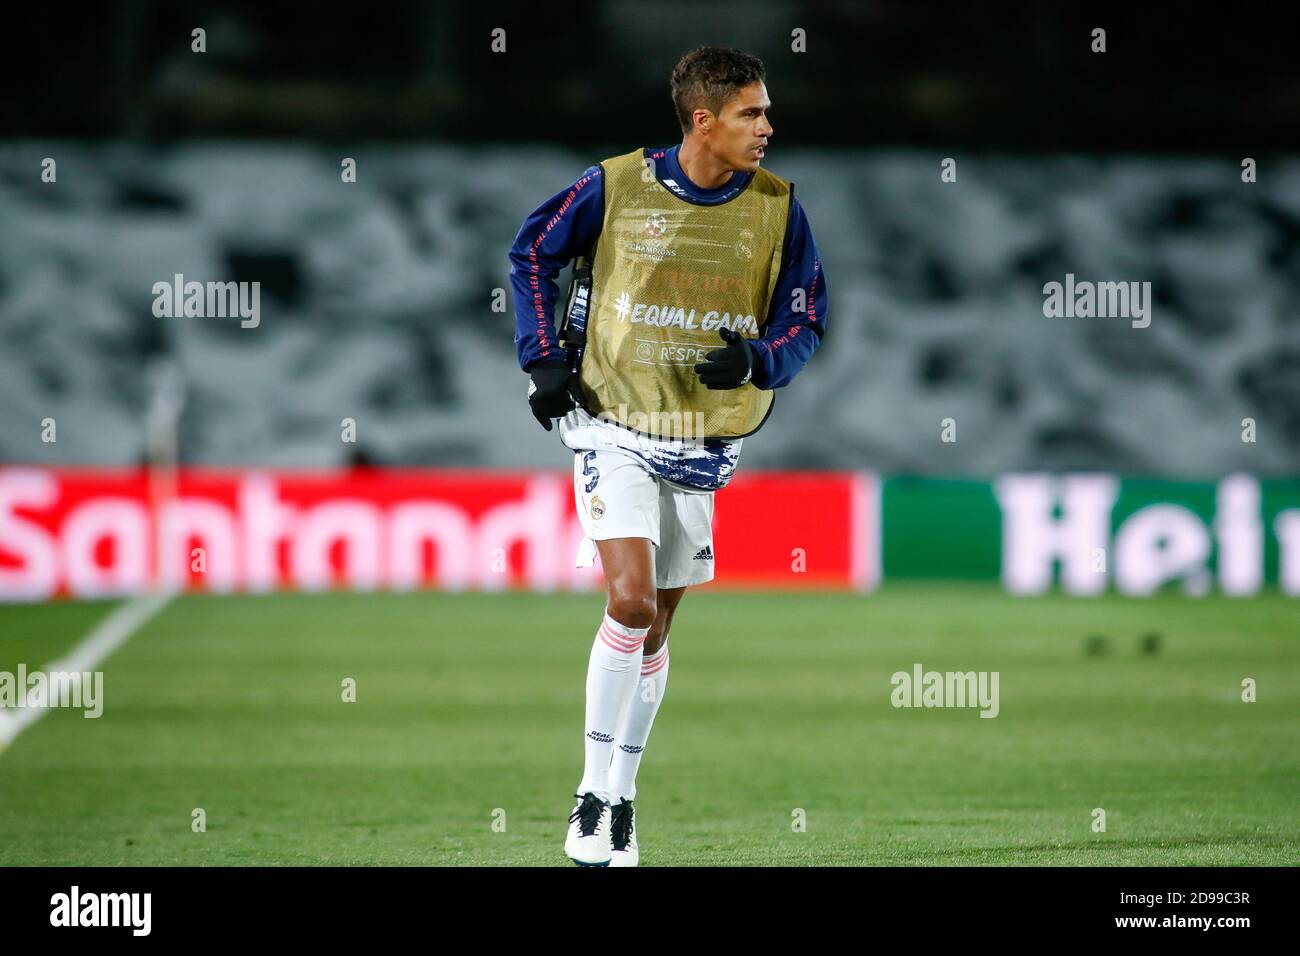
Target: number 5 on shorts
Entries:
(589, 469)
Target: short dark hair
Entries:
(708, 76)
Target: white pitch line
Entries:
(110, 634)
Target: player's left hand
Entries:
(729, 367)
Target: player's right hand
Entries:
(548, 392)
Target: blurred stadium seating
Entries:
(378, 305)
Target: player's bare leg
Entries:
(629, 568)
(634, 728)
(612, 674)
(666, 601)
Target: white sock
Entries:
(612, 675)
(635, 722)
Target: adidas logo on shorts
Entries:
(704, 554)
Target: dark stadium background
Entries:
(1018, 77)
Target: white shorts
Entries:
(618, 497)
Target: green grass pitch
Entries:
(469, 711)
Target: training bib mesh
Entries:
(668, 274)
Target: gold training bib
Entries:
(668, 274)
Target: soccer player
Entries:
(706, 294)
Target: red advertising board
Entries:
(90, 532)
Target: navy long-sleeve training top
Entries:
(567, 225)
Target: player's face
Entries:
(743, 130)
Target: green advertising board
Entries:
(1090, 532)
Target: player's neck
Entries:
(701, 167)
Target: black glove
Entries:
(729, 367)
(548, 392)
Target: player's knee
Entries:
(632, 609)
